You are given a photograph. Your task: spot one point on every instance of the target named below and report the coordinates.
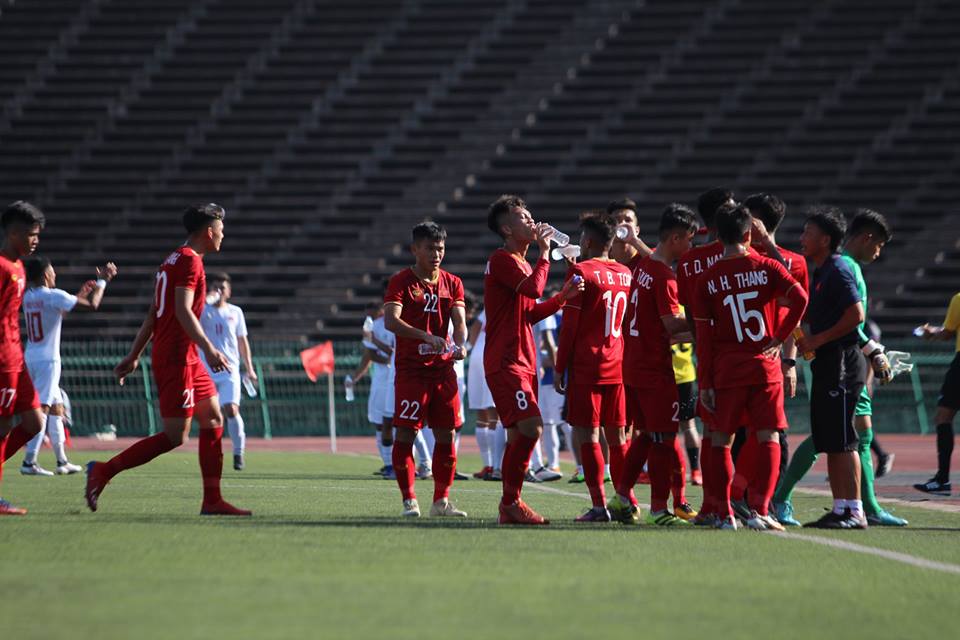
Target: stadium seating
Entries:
(328, 129)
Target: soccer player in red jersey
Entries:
(652, 402)
(186, 390)
(419, 305)
(511, 290)
(738, 347)
(22, 223)
(590, 355)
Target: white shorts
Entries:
(478, 393)
(388, 396)
(228, 387)
(45, 375)
(377, 402)
(551, 404)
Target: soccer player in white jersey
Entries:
(226, 328)
(380, 404)
(43, 309)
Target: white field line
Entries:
(896, 556)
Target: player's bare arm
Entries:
(393, 323)
(365, 359)
(243, 344)
(678, 328)
(458, 316)
(193, 329)
(91, 293)
(937, 334)
(376, 356)
(130, 363)
(849, 321)
(632, 240)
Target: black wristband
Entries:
(790, 362)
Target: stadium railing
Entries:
(288, 404)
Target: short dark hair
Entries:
(35, 266)
(198, 216)
(219, 276)
(24, 213)
(709, 201)
(869, 221)
(499, 208)
(623, 203)
(768, 208)
(428, 231)
(732, 223)
(471, 301)
(831, 221)
(676, 217)
(599, 226)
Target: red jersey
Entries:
(183, 269)
(428, 307)
(691, 266)
(648, 360)
(797, 266)
(12, 284)
(591, 342)
(511, 288)
(735, 308)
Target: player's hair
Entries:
(768, 208)
(22, 212)
(732, 223)
(428, 231)
(709, 201)
(619, 205)
(831, 221)
(599, 226)
(35, 266)
(869, 221)
(471, 301)
(501, 207)
(677, 217)
(198, 216)
(219, 276)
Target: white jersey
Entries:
(223, 326)
(381, 372)
(43, 310)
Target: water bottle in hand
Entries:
(348, 389)
(798, 334)
(251, 388)
(427, 349)
(622, 232)
(558, 237)
(569, 252)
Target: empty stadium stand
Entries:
(327, 129)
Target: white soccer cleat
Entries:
(67, 469)
(728, 523)
(411, 509)
(34, 470)
(444, 508)
(772, 523)
(424, 471)
(544, 474)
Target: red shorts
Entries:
(654, 409)
(17, 393)
(596, 405)
(759, 406)
(433, 399)
(515, 395)
(181, 387)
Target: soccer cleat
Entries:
(783, 512)
(726, 524)
(596, 514)
(665, 519)
(7, 509)
(741, 509)
(424, 471)
(885, 464)
(855, 522)
(758, 522)
(381, 471)
(623, 511)
(460, 476)
(33, 469)
(66, 469)
(520, 513)
(577, 478)
(696, 478)
(934, 486)
(495, 476)
(238, 464)
(706, 520)
(443, 508)
(685, 512)
(95, 484)
(530, 477)
(222, 508)
(389, 473)
(547, 475)
(832, 520)
(885, 519)
(483, 473)
(410, 508)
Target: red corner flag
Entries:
(318, 360)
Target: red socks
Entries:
(722, 464)
(766, 469)
(210, 451)
(3, 446)
(515, 462)
(618, 453)
(444, 464)
(678, 478)
(405, 468)
(140, 452)
(15, 440)
(706, 469)
(633, 466)
(591, 457)
(745, 468)
(660, 468)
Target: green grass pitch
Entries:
(327, 556)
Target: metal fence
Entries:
(289, 404)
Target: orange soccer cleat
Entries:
(223, 508)
(7, 509)
(520, 513)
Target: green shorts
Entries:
(864, 404)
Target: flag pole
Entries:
(332, 413)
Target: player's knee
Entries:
(231, 410)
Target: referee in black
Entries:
(839, 368)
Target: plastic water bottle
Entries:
(249, 387)
(571, 251)
(799, 335)
(918, 332)
(426, 349)
(368, 324)
(348, 389)
(558, 237)
(622, 232)
(213, 298)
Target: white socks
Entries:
(536, 458)
(386, 453)
(551, 442)
(568, 437)
(430, 439)
(57, 438)
(499, 444)
(33, 447)
(483, 441)
(855, 506)
(237, 435)
(423, 452)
